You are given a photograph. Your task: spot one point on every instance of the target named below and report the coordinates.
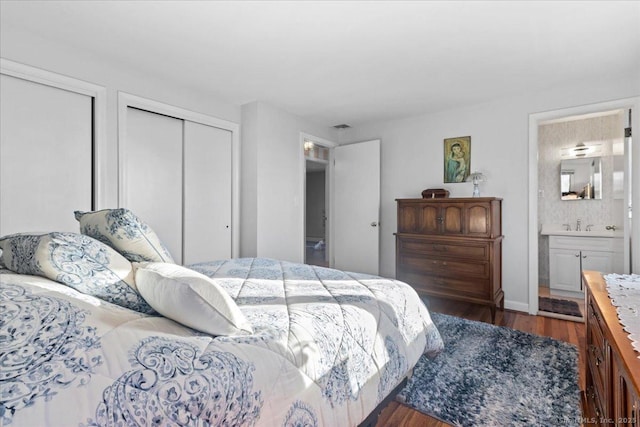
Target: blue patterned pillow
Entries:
(125, 232)
(77, 261)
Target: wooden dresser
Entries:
(612, 394)
(452, 248)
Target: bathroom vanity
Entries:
(571, 252)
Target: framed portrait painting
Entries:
(457, 159)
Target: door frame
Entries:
(534, 120)
(328, 190)
(126, 100)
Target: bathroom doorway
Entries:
(565, 225)
(581, 205)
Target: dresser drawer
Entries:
(594, 412)
(425, 284)
(467, 250)
(596, 348)
(596, 360)
(444, 268)
(594, 319)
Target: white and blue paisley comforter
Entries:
(327, 347)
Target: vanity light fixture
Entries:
(582, 149)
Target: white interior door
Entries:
(356, 208)
(207, 193)
(152, 174)
(46, 138)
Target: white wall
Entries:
(412, 160)
(271, 161)
(38, 52)
(272, 222)
(272, 218)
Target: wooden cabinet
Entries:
(612, 367)
(452, 248)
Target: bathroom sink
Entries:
(596, 231)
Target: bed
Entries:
(310, 345)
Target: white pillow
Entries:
(190, 298)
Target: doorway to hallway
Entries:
(316, 196)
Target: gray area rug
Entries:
(496, 376)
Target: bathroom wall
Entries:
(607, 130)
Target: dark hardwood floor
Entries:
(398, 415)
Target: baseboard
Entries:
(516, 306)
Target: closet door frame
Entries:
(126, 100)
(99, 95)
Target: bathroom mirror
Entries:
(581, 178)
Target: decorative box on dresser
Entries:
(452, 248)
(612, 395)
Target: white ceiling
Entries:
(350, 61)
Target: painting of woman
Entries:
(457, 160)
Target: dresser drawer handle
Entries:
(593, 349)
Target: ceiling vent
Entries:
(342, 126)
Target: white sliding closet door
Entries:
(152, 174)
(46, 139)
(207, 193)
(176, 176)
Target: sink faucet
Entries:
(578, 225)
(567, 227)
(589, 227)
